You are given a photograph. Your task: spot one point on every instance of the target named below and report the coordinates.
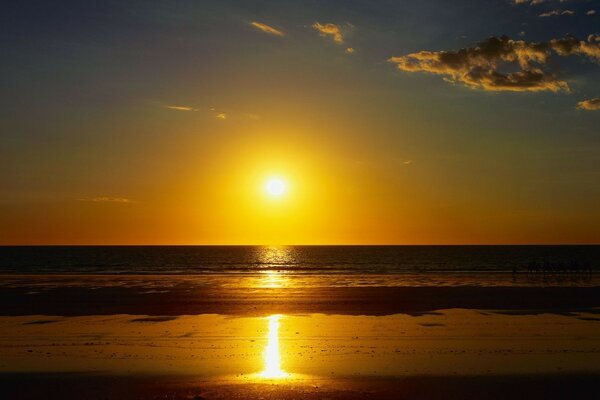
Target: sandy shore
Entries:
(129, 337)
(320, 356)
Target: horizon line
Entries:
(291, 245)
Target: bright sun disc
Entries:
(275, 187)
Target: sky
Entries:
(390, 122)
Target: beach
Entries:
(207, 337)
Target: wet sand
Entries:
(272, 294)
(445, 342)
(183, 338)
(323, 356)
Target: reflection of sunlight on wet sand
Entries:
(272, 356)
(272, 279)
(302, 348)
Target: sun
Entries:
(275, 187)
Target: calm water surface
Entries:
(292, 259)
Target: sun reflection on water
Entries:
(274, 257)
(274, 260)
(272, 355)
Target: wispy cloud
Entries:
(530, 2)
(590, 104)
(483, 65)
(556, 13)
(537, 2)
(266, 28)
(181, 108)
(350, 50)
(330, 29)
(106, 199)
(221, 116)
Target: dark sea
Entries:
(296, 259)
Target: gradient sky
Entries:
(157, 122)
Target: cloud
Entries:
(555, 13)
(221, 116)
(571, 46)
(590, 104)
(535, 2)
(590, 12)
(481, 66)
(106, 199)
(181, 108)
(350, 50)
(500, 64)
(330, 29)
(530, 2)
(266, 28)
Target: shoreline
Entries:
(107, 295)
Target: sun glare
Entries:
(275, 187)
(272, 357)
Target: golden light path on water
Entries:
(272, 256)
(272, 356)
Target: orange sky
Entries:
(161, 126)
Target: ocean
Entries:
(320, 260)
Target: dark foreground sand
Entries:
(73, 386)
